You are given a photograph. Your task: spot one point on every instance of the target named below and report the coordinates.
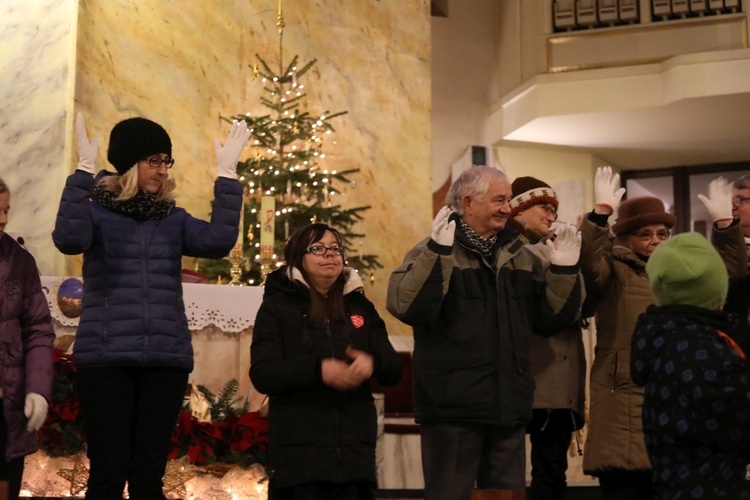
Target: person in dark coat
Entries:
(696, 378)
(133, 347)
(476, 296)
(26, 338)
(317, 341)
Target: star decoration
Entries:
(176, 476)
(78, 476)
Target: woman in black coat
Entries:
(317, 341)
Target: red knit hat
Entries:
(527, 192)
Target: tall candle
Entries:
(267, 223)
(241, 236)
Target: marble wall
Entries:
(185, 64)
(35, 99)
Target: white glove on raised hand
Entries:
(607, 190)
(719, 201)
(443, 231)
(228, 154)
(86, 149)
(566, 249)
(35, 409)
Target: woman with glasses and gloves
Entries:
(26, 338)
(317, 342)
(133, 349)
(614, 270)
(558, 362)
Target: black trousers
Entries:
(455, 456)
(129, 415)
(354, 490)
(550, 432)
(12, 471)
(549, 461)
(626, 485)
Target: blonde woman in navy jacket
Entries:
(133, 349)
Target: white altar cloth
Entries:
(229, 308)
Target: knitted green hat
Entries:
(686, 269)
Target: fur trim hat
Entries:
(527, 192)
(134, 139)
(688, 270)
(639, 212)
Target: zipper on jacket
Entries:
(144, 288)
(546, 419)
(106, 318)
(336, 411)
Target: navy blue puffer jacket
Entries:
(133, 313)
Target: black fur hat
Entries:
(134, 139)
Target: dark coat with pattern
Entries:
(696, 411)
(133, 313)
(315, 432)
(26, 338)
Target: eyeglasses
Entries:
(321, 250)
(549, 209)
(156, 161)
(739, 200)
(647, 234)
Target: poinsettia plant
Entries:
(234, 435)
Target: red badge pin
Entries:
(357, 320)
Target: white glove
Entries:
(607, 190)
(35, 410)
(566, 249)
(86, 149)
(228, 154)
(443, 231)
(719, 201)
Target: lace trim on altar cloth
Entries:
(228, 308)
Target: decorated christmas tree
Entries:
(288, 184)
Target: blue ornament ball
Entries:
(70, 297)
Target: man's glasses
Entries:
(549, 209)
(156, 161)
(739, 200)
(321, 250)
(647, 234)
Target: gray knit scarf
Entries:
(484, 245)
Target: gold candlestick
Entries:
(266, 261)
(236, 258)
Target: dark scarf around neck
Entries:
(143, 206)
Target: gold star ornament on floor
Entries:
(78, 476)
(177, 474)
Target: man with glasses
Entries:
(729, 206)
(558, 363)
(614, 270)
(476, 295)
